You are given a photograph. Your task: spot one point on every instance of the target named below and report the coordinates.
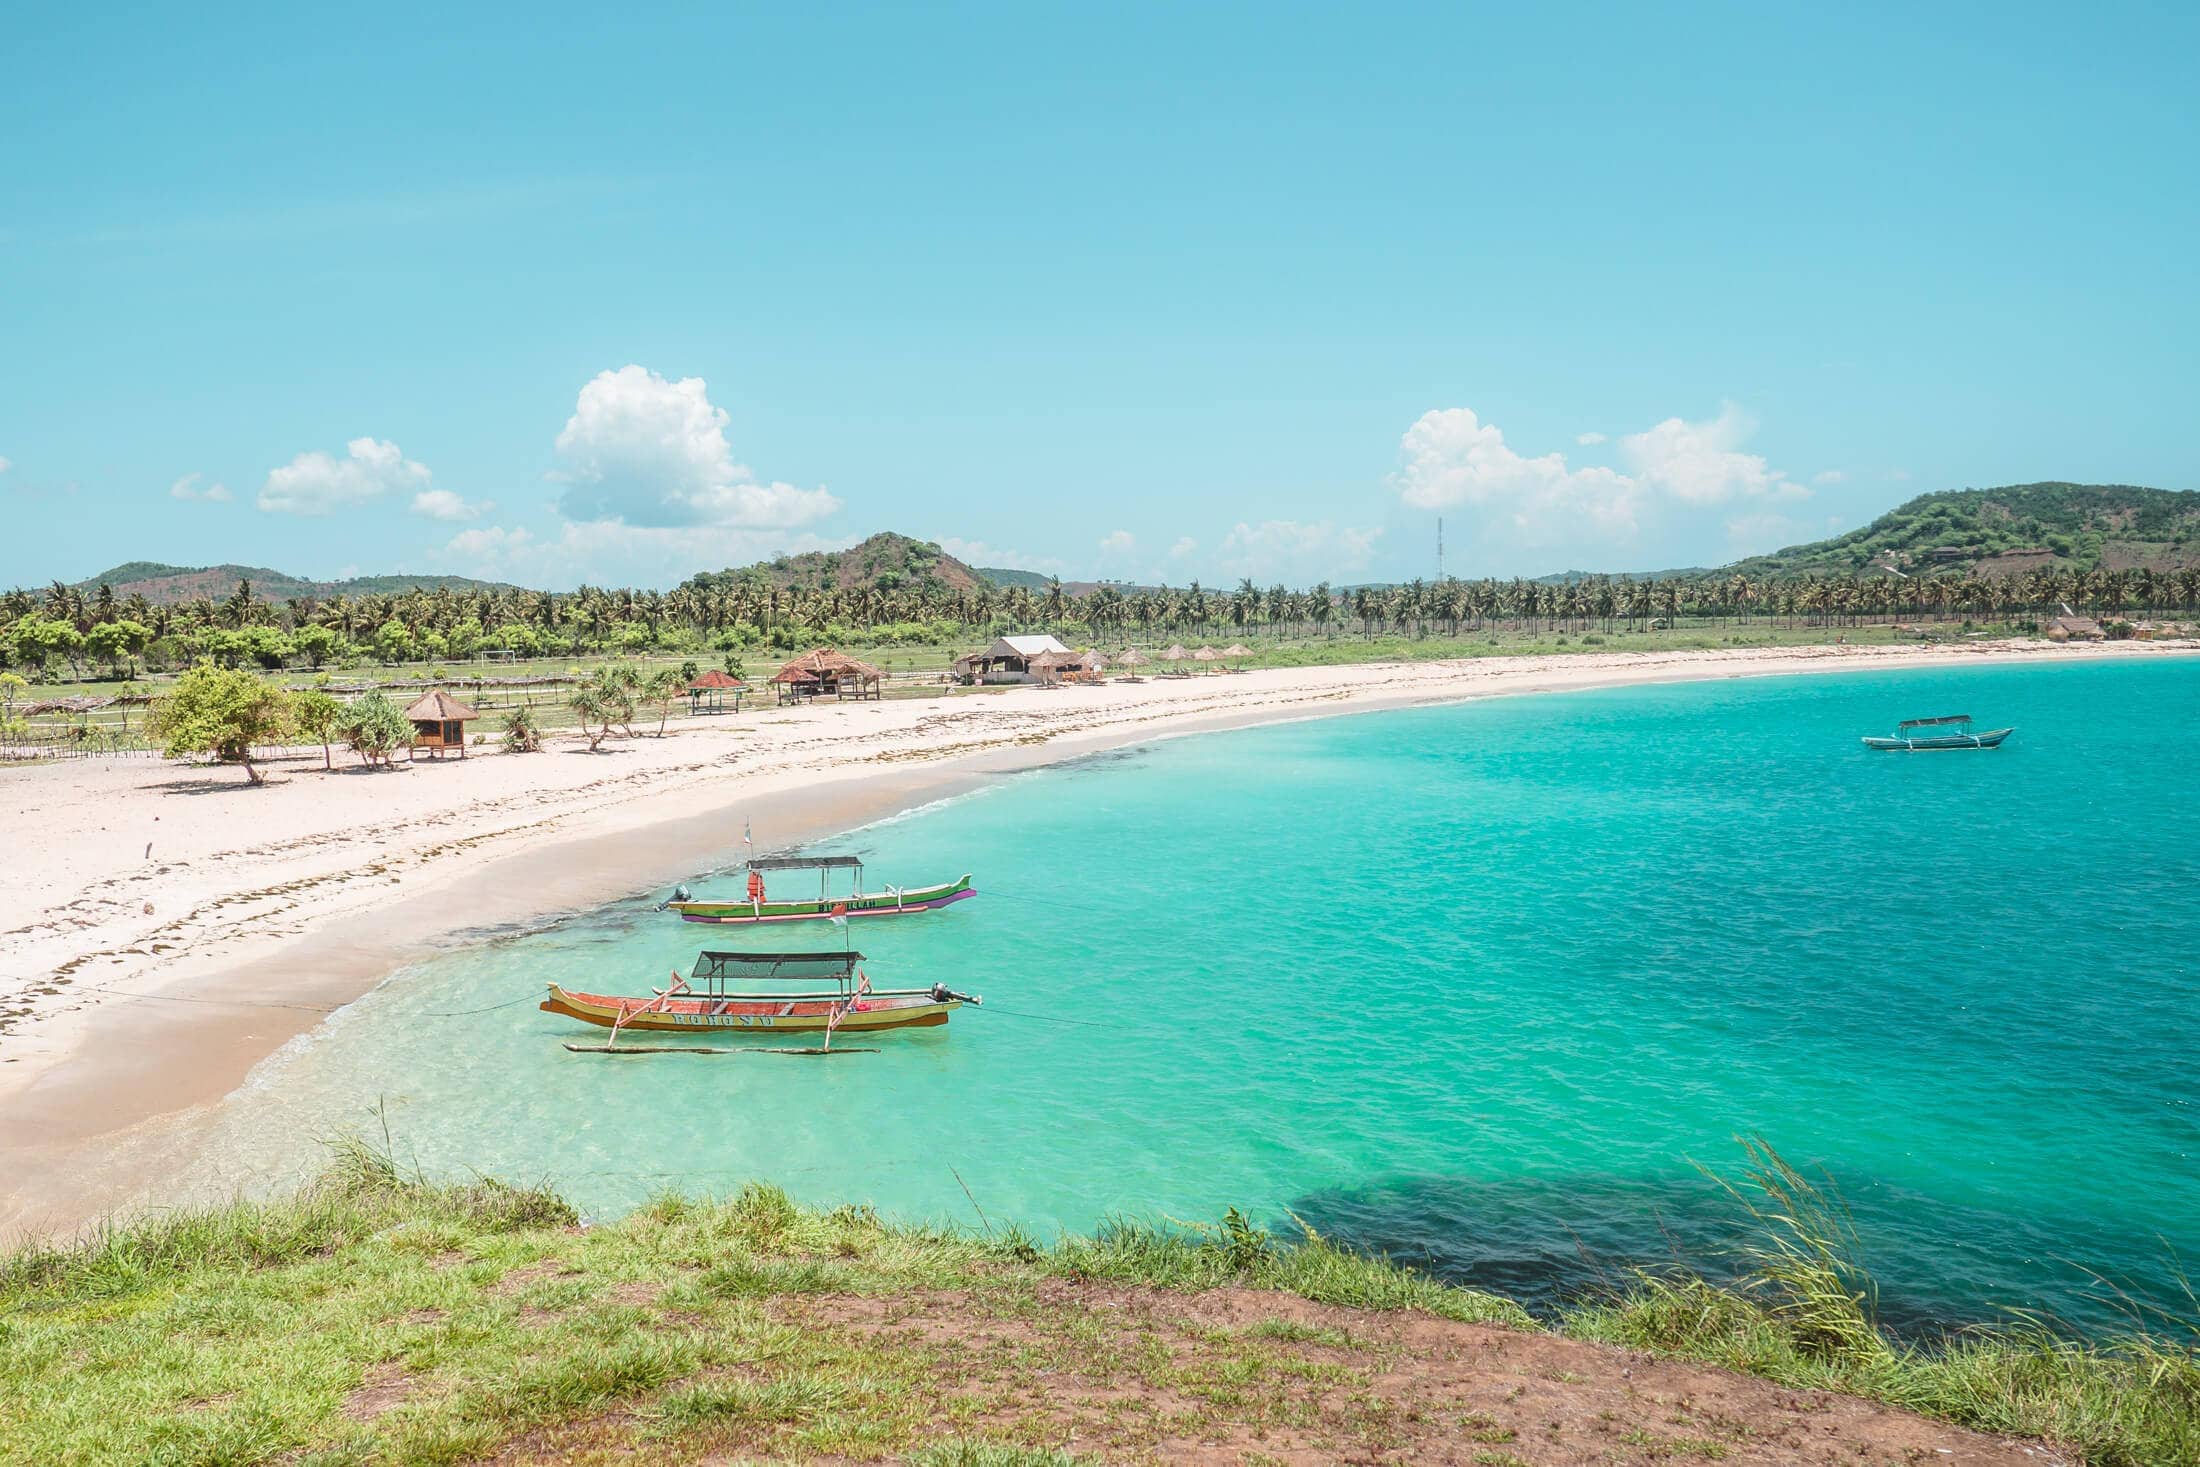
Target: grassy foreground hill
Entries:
(377, 1318)
(172, 585)
(2007, 531)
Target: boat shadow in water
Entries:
(1938, 1268)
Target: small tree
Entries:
(733, 666)
(374, 727)
(113, 641)
(605, 697)
(314, 643)
(316, 715)
(219, 711)
(664, 689)
(522, 732)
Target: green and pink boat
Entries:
(762, 905)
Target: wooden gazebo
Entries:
(707, 694)
(827, 671)
(439, 722)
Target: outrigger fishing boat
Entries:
(736, 991)
(1927, 735)
(895, 901)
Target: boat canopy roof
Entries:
(803, 863)
(717, 967)
(1931, 722)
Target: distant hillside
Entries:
(1003, 577)
(167, 585)
(886, 560)
(2008, 531)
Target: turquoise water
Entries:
(1479, 986)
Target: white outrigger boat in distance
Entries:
(760, 906)
(1952, 732)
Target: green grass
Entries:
(374, 1317)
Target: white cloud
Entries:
(317, 483)
(1829, 476)
(1702, 463)
(1588, 440)
(1290, 550)
(6, 463)
(1184, 546)
(995, 557)
(1451, 457)
(187, 489)
(1900, 476)
(1120, 542)
(653, 453)
(442, 504)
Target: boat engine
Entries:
(941, 993)
(679, 894)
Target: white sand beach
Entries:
(163, 928)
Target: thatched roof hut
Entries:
(1009, 658)
(437, 706)
(439, 722)
(828, 670)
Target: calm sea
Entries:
(1483, 987)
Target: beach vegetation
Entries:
(316, 716)
(602, 701)
(375, 729)
(225, 712)
(664, 687)
(522, 730)
(377, 1316)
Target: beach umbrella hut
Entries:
(1238, 650)
(1206, 654)
(711, 688)
(1132, 658)
(1174, 654)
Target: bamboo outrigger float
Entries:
(1950, 732)
(728, 991)
(895, 901)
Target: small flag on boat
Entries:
(746, 838)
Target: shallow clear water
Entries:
(1479, 986)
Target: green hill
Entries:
(886, 561)
(1003, 577)
(168, 585)
(2008, 531)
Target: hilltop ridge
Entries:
(2006, 531)
(170, 585)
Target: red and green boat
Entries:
(762, 905)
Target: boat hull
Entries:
(695, 1015)
(874, 904)
(1941, 744)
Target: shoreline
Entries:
(149, 1021)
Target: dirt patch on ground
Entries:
(1244, 1376)
(385, 1389)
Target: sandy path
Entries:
(165, 927)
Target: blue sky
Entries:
(614, 293)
